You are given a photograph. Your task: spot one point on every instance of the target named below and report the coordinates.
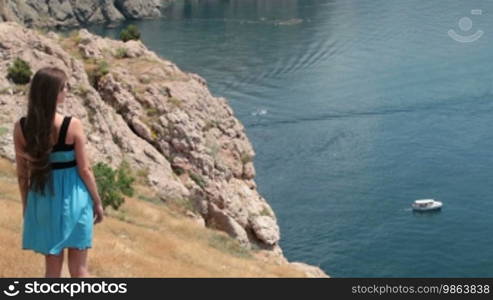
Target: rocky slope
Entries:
(153, 237)
(75, 12)
(142, 108)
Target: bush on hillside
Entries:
(113, 183)
(130, 33)
(19, 72)
(97, 71)
(121, 53)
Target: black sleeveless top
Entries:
(60, 145)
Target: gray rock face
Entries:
(67, 13)
(158, 118)
(156, 115)
(137, 9)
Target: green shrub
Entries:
(130, 33)
(265, 212)
(19, 72)
(113, 183)
(81, 90)
(121, 53)
(103, 68)
(245, 158)
(198, 179)
(125, 180)
(178, 171)
(95, 73)
(117, 140)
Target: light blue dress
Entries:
(65, 220)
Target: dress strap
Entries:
(63, 130)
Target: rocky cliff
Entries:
(142, 108)
(50, 13)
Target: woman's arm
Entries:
(21, 166)
(85, 170)
(83, 163)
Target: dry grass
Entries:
(142, 239)
(70, 44)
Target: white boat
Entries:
(426, 204)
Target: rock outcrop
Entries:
(155, 116)
(68, 13)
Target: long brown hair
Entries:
(46, 84)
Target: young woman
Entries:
(60, 200)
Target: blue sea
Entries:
(355, 109)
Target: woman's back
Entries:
(62, 154)
(60, 199)
(64, 220)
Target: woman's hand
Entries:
(98, 213)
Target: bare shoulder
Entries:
(17, 125)
(18, 136)
(76, 124)
(77, 131)
(16, 129)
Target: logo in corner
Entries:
(11, 290)
(465, 24)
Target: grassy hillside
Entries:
(144, 238)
